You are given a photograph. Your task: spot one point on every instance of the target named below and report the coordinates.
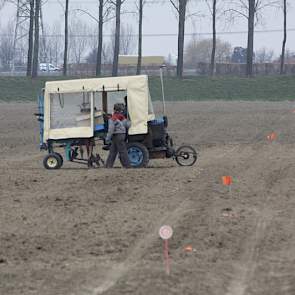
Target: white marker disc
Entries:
(166, 232)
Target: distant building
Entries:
(131, 60)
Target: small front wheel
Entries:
(60, 157)
(52, 161)
(186, 156)
(138, 154)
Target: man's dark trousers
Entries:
(118, 146)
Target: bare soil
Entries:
(77, 231)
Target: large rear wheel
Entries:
(138, 154)
(186, 156)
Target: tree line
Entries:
(228, 10)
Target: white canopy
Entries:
(139, 103)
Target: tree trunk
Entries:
(117, 38)
(212, 64)
(99, 44)
(36, 42)
(31, 39)
(65, 65)
(282, 71)
(139, 58)
(250, 43)
(181, 29)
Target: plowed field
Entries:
(79, 231)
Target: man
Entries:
(117, 130)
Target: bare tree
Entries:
(252, 11)
(180, 7)
(282, 70)
(118, 6)
(127, 41)
(77, 43)
(2, 2)
(212, 5)
(200, 51)
(43, 51)
(250, 42)
(216, 9)
(264, 55)
(108, 53)
(36, 40)
(100, 38)
(31, 39)
(55, 45)
(66, 41)
(6, 46)
(290, 56)
(104, 12)
(212, 64)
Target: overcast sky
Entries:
(159, 18)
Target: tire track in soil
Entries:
(275, 274)
(244, 274)
(246, 267)
(120, 269)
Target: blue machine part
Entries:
(41, 118)
(68, 151)
(157, 121)
(135, 156)
(99, 128)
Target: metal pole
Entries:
(162, 84)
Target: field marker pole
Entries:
(166, 255)
(166, 233)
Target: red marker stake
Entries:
(165, 233)
(166, 256)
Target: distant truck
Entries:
(48, 67)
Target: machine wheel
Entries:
(60, 157)
(186, 156)
(52, 161)
(165, 118)
(138, 154)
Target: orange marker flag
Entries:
(227, 180)
(188, 248)
(272, 136)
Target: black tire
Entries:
(52, 161)
(186, 156)
(60, 157)
(138, 155)
(165, 118)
